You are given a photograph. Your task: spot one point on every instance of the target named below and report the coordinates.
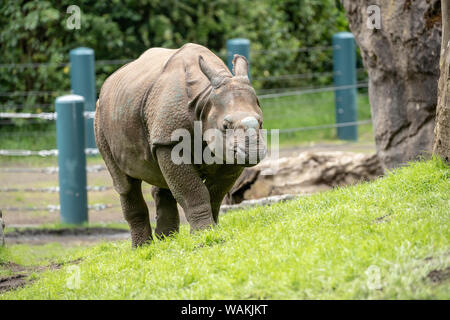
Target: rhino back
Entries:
(122, 93)
(118, 115)
(144, 101)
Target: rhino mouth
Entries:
(249, 154)
(246, 149)
(237, 147)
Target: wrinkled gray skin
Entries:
(142, 103)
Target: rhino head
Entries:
(232, 118)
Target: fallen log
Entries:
(307, 173)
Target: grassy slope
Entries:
(328, 245)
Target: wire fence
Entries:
(94, 151)
(53, 189)
(301, 91)
(50, 170)
(34, 65)
(40, 117)
(57, 93)
(42, 153)
(53, 208)
(291, 92)
(12, 105)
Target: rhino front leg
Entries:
(167, 217)
(135, 212)
(188, 189)
(219, 185)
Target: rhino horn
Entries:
(240, 66)
(213, 77)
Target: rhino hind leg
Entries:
(167, 217)
(136, 214)
(134, 208)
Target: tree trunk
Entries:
(402, 59)
(442, 130)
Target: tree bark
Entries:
(441, 145)
(402, 59)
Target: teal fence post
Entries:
(238, 46)
(71, 159)
(344, 67)
(82, 78)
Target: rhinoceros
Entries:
(143, 103)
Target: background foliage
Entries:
(35, 32)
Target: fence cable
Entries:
(53, 208)
(42, 153)
(32, 93)
(53, 189)
(326, 126)
(293, 92)
(290, 50)
(94, 151)
(312, 90)
(42, 115)
(33, 106)
(50, 170)
(123, 61)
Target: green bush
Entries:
(35, 32)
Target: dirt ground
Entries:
(21, 274)
(14, 204)
(66, 236)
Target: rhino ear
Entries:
(206, 69)
(240, 66)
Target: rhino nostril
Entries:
(250, 122)
(227, 122)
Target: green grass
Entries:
(28, 137)
(377, 240)
(58, 226)
(310, 110)
(39, 255)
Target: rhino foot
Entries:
(202, 225)
(140, 236)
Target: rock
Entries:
(402, 59)
(307, 173)
(257, 202)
